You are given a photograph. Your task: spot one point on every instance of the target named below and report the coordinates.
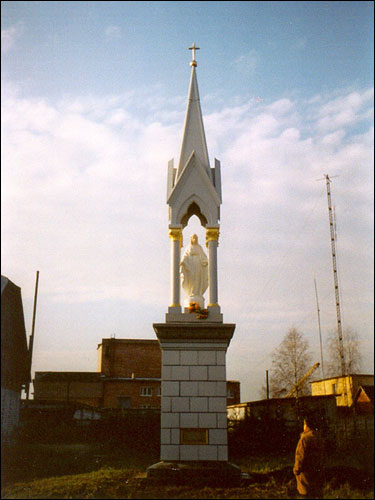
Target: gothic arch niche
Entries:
(194, 226)
(193, 209)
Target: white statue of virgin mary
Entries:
(194, 272)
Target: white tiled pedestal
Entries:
(194, 400)
(193, 395)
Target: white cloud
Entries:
(345, 110)
(113, 32)
(10, 35)
(84, 201)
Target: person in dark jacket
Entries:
(309, 460)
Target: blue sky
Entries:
(93, 105)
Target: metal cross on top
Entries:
(193, 48)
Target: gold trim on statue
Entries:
(212, 234)
(176, 235)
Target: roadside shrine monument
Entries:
(194, 339)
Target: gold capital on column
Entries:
(175, 234)
(212, 234)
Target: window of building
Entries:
(333, 388)
(146, 391)
(158, 391)
(145, 407)
(230, 393)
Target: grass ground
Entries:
(94, 471)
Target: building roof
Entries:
(194, 138)
(285, 401)
(68, 376)
(129, 341)
(341, 376)
(368, 390)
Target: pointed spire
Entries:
(194, 138)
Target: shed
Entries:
(15, 362)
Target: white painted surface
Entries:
(170, 420)
(207, 420)
(189, 420)
(169, 388)
(170, 357)
(180, 404)
(189, 388)
(198, 372)
(207, 358)
(218, 436)
(222, 453)
(165, 436)
(199, 404)
(189, 357)
(208, 452)
(217, 404)
(169, 452)
(189, 452)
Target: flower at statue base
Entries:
(201, 313)
(193, 307)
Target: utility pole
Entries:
(335, 279)
(320, 332)
(31, 340)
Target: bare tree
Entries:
(352, 354)
(290, 361)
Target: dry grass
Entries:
(127, 483)
(94, 472)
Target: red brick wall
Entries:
(88, 392)
(122, 358)
(233, 387)
(132, 389)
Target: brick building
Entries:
(83, 387)
(128, 376)
(344, 388)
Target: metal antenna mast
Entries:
(31, 340)
(336, 282)
(320, 331)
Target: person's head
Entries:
(310, 422)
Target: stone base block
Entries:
(175, 316)
(195, 473)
